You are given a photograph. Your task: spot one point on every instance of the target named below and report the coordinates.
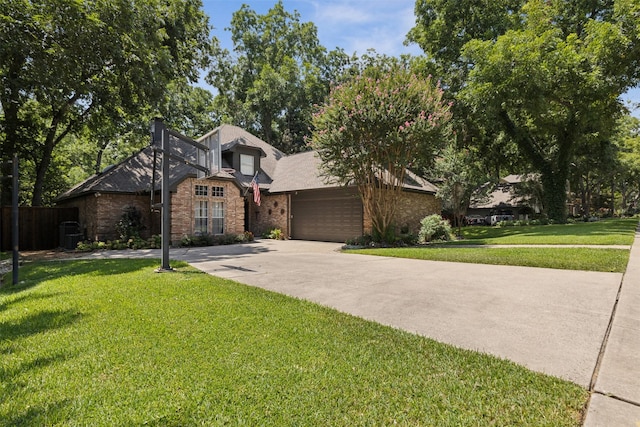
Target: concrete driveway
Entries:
(551, 321)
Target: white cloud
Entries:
(358, 25)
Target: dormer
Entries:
(242, 157)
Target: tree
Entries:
(548, 74)
(372, 129)
(461, 176)
(627, 139)
(279, 71)
(62, 61)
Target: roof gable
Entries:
(278, 172)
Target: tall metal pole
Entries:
(14, 219)
(166, 201)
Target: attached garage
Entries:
(333, 215)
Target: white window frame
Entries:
(217, 214)
(247, 164)
(201, 216)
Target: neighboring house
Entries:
(294, 196)
(505, 200)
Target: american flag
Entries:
(256, 190)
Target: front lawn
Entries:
(606, 232)
(614, 231)
(110, 342)
(607, 260)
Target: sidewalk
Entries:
(615, 399)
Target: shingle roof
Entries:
(299, 172)
(503, 193)
(302, 172)
(278, 172)
(134, 174)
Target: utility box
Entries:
(70, 235)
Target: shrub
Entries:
(214, 240)
(407, 239)
(275, 234)
(365, 240)
(434, 228)
(130, 223)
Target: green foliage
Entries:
(64, 62)
(461, 177)
(434, 228)
(215, 239)
(275, 234)
(364, 240)
(277, 73)
(130, 223)
(154, 242)
(546, 75)
(373, 128)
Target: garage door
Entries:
(327, 215)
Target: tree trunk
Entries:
(10, 105)
(553, 172)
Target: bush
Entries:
(215, 239)
(130, 223)
(365, 240)
(434, 228)
(407, 239)
(275, 234)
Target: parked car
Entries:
(474, 220)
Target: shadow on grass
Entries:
(7, 303)
(34, 273)
(40, 415)
(37, 323)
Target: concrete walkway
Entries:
(576, 325)
(615, 399)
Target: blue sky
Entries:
(353, 25)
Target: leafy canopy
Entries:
(277, 71)
(548, 73)
(373, 128)
(62, 61)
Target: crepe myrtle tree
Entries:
(375, 127)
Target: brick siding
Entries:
(273, 212)
(183, 207)
(412, 208)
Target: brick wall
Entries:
(183, 207)
(412, 207)
(98, 214)
(273, 212)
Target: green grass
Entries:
(109, 342)
(605, 232)
(608, 260)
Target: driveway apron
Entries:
(550, 321)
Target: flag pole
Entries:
(250, 182)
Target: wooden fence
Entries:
(39, 227)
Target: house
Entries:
(509, 199)
(294, 196)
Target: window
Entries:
(246, 164)
(202, 190)
(218, 217)
(217, 191)
(201, 216)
